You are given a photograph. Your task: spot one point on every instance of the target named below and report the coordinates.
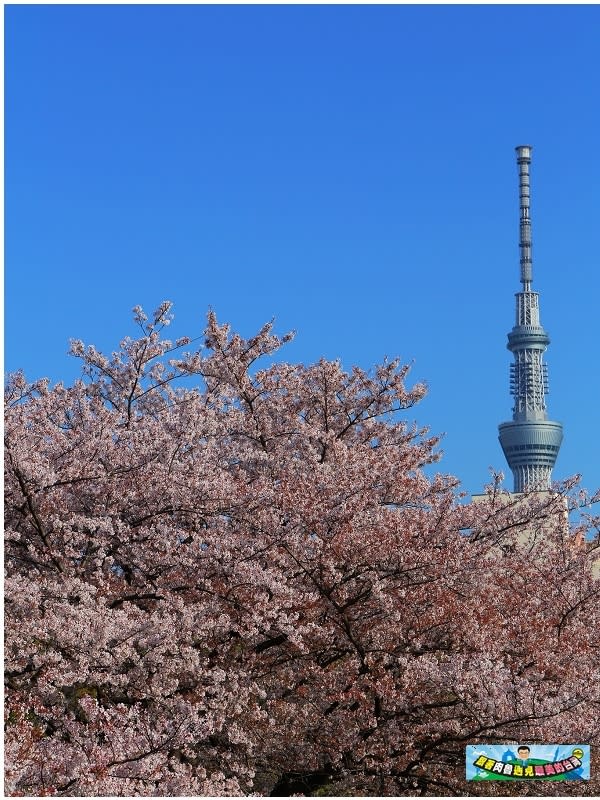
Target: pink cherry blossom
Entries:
(259, 586)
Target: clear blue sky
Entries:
(349, 170)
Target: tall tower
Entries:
(531, 441)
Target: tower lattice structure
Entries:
(530, 441)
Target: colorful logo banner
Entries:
(519, 762)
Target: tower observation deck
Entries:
(531, 441)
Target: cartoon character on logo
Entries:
(523, 758)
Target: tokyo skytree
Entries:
(531, 441)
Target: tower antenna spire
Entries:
(523, 162)
(531, 441)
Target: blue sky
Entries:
(348, 170)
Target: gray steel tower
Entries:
(531, 441)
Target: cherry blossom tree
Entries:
(258, 586)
